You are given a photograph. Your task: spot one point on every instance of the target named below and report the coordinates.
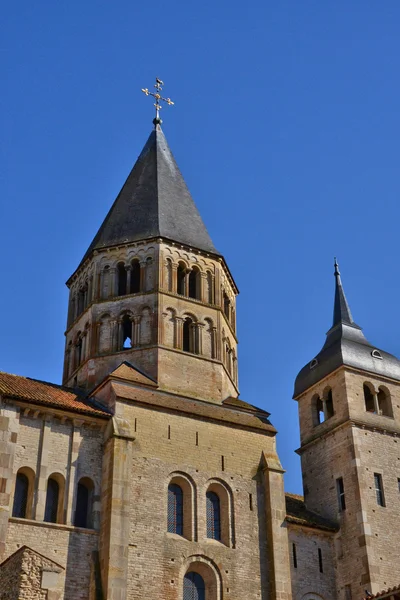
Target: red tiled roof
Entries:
(298, 514)
(394, 591)
(47, 394)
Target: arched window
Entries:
(213, 512)
(181, 277)
(175, 509)
(384, 403)
(329, 404)
(188, 330)
(122, 279)
(210, 288)
(84, 503)
(227, 305)
(78, 350)
(126, 327)
(369, 399)
(52, 501)
(23, 495)
(135, 277)
(194, 283)
(193, 587)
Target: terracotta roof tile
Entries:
(393, 591)
(298, 514)
(47, 394)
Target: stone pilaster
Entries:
(43, 470)
(115, 497)
(278, 545)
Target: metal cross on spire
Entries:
(157, 95)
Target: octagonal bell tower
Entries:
(153, 291)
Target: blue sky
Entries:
(285, 125)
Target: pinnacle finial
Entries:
(341, 310)
(336, 265)
(157, 95)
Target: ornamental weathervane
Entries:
(158, 85)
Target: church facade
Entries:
(144, 476)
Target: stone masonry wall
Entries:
(306, 576)
(200, 452)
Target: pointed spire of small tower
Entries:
(341, 309)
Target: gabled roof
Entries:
(130, 373)
(46, 561)
(47, 394)
(298, 514)
(345, 344)
(153, 202)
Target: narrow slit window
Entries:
(294, 555)
(380, 498)
(320, 563)
(251, 501)
(340, 494)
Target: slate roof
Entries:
(298, 514)
(47, 394)
(153, 202)
(345, 345)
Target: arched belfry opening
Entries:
(126, 332)
(194, 283)
(135, 277)
(121, 270)
(187, 345)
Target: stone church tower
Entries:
(144, 476)
(153, 290)
(349, 408)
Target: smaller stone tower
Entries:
(152, 290)
(349, 410)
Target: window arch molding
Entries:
(208, 570)
(226, 507)
(23, 493)
(384, 402)
(188, 487)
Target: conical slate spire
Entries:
(341, 309)
(153, 202)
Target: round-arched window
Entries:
(193, 587)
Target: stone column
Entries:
(178, 337)
(113, 282)
(71, 483)
(120, 341)
(376, 403)
(43, 470)
(142, 275)
(214, 344)
(114, 336)
(128, 278)
(203, 287)
(90, 289)
(186, 283)
(199, 338)
(276, 534)
(174, 278)
(87, 345)
(115, 508)
(136, 330)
